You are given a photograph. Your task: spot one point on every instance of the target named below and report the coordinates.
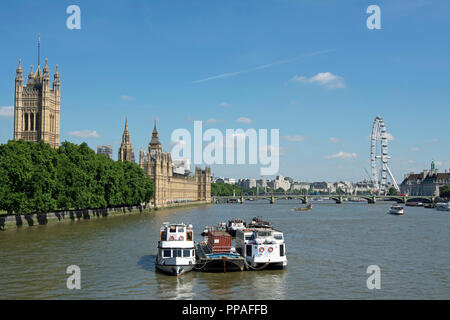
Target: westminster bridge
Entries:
(338, 198)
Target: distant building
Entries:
(426, 183)
(261, 183)
(126, 152)
(230, 180)
(248, 183)
(105, 150)
(323, 187)
(299, 186)
(344, 186)
(280, 183)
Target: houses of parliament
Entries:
(171, 187)
(37, 118)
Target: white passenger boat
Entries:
(396, 210)
(262, 247)
(443, 206)
(176, 253)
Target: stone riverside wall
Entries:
(35, 219)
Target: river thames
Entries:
(329, 249)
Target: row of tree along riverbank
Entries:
(36, 178)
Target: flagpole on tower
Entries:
(39, 49)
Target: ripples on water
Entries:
(328, 248)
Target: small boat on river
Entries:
(176, 252)
(307, 208)
(396, 210)
(443, 206)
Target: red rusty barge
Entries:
(217, 254)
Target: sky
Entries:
(310, 68)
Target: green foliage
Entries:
(392, 191)
(225, 189)
(444, 191)
(36, 178)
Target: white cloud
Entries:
(85, 134)
(7, 112)
(127, 98)
(295, 138)
(415, 149)
(244, 120)
(342, 155)
(213, 120)
(224, 104)
(327, 79)
(334, 140)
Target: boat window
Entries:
(173, 229)
(166, 254)
(186, 253)
(278, 236)
(176, 253)
(189, 236)
(250, 237)
(264, 233)
(180, 229)
(281, 250)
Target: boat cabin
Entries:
(176, 232)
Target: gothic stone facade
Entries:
(171, 187)
(37, 106)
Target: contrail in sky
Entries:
(265, 66)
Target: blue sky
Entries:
(143, 59)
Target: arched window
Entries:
(26, 121)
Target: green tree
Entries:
(36, 178)
(444, 191)
(392, 191)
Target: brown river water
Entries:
(328, 248)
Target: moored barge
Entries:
(217, 254)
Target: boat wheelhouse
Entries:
(235, 224)
(176, 252)
(262, 247)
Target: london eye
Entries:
(379, 161)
